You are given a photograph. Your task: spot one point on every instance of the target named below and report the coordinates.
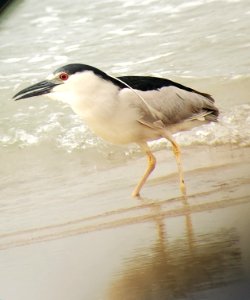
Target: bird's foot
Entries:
(135, 194)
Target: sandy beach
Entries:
(137, 244)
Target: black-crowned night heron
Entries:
(128, 109)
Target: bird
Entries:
(129, 109)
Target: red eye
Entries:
(63, 76)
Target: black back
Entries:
(148, 83)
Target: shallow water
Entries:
(108, 246)
(204, 44)
(68, 227)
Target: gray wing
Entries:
(177, 105)
(172, 105)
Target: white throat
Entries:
(88, 95)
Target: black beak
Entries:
(43, 87)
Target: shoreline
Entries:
(218, 177)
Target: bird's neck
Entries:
(88, 95)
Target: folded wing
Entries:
(169, 102)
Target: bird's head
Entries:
(64, 80)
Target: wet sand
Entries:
(84, 237)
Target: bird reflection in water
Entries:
(179, 268)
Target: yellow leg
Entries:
(177, 153)
(150, 168)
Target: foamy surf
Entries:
(67, 131)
